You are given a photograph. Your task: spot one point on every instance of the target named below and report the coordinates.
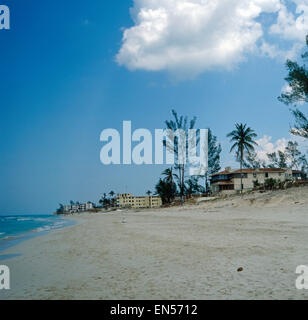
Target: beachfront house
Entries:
(78, 207)
(127, 200)
(229, 181)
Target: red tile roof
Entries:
(251, 171)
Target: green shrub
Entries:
(270, 184)
(256, 183)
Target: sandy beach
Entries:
(189, 252)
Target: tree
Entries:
(243, 142)
(292, 154)
(297, 93)
(149, 192)
(60, 210)
(192, 186)
(214, 150)
(277, 159)
(112, 200)
(166, 191)
(172, 144)
(291, 157)
(301, 124)
(169, 175)
(251, 161)
(104, 201)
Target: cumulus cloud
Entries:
(192, 36)
(266, 145)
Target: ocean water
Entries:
(17, 228)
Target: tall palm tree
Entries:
(243, 141)
(148, 192)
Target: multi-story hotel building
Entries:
(78, 207)
(127, 200)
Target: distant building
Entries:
(78, 207)
(229, 181)
(126, 200)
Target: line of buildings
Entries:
(224, 182)
(127, 200)
(123, 200)
(229, 181)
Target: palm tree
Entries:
(169, 175)
(243, 140)
(148, 192)
(112, 193)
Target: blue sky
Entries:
(61, 84)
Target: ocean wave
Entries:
(42, 229)
(54, 226)
(9, 238)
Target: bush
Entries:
(256, 183)
(270, 184)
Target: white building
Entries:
(229, 181)
(78, 207)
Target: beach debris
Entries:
(240, 269)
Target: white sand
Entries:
(191, 252)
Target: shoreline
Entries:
(189, 252)
(14, 240)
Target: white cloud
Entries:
(292, 26)
(192, 36)
(266, 145)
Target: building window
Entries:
(254, 175)
(266, 174)
(238, 175)
(226, 187)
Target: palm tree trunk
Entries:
(183, 171)
(241, 171)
